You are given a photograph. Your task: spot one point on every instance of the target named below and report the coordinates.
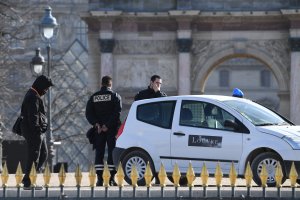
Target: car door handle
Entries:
(179, 133)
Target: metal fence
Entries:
(148, 192)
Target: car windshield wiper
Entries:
(267, 124)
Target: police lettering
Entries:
(103, 97)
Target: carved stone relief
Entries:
(134, 72)
(145, 47)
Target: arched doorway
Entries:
(203, 70)
(253, 77)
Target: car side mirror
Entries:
(231, 124)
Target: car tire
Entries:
(270, 159)
(140, 159)
(182, 181)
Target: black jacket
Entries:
(148, 94)
(104, 107)
(34, 121)
(32, 110)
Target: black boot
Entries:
(99, 182)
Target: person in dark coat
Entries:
(103, 111)
(34, 125)
(153, 90)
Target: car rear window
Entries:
(157, 113)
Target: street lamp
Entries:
(37, 62)
(49, 31)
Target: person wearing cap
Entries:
(237, 93)
(34, 125)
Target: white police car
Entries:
(206, 128)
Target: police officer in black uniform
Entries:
(103, 112)
(153, 90)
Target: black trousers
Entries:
(37, 154)
(104, 139)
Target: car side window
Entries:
(157, 113)
(204, 115)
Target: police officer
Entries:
(153, 90)
(103, 112)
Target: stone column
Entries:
(94, 61)
(184, 44)
(295, 77)
(107, 44)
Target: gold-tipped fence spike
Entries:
(264, 175)
(232, 175)
(4, 175)
(47, 176)
(106, 175)
(134, 176)
(78, 175)
(248, 175)
(92, 175)
(162, 175)
(120, 175)
(19, 175)
(204, 175)
(293, 175)
(33, 175)
(190, 175)
(176, 175)
(218, 175)
(148, 175)
(278, 175)
(62, 175)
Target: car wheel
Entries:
(271, 160)
(140, 160)
(182, 181)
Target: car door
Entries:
(199, 135)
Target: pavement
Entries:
(70, 190)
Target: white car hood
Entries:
(281, 131)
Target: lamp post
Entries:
(37, 62)
(49, 31)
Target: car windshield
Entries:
(256, 114)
